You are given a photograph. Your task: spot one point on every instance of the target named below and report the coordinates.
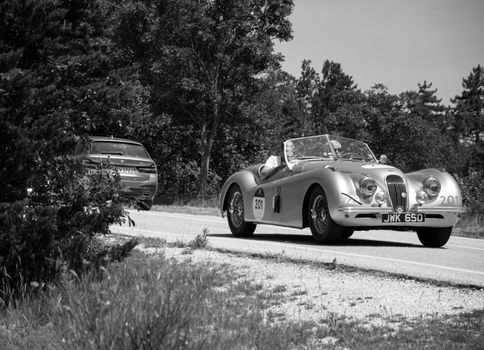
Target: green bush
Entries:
(40, 238)
(471, 188)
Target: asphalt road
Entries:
(460, 261)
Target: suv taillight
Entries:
(147, 169)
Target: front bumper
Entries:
(371, 217)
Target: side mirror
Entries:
(383, 159)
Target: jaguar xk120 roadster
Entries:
(335, 186)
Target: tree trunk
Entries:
(209, 130)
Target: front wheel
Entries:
(347, 233)
(235, 214)
(323, 228)
(434, 237)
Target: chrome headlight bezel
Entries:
(421, 197)
(367, 187)
(380, 198)
(432, 186)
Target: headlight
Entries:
(367, 186)
(431, 186)
(380, 198)
(421, 197)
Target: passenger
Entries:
(271, 163)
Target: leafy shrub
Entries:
(471, 188)
(54, 229)
(179, 181)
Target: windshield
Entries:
(327, 147)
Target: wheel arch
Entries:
(244, 179)
(305, 206)
(225, 199)
(332, 183)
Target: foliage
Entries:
(335, 90)
(469, 107)
(203, 60)
(61, 77)
(200, 241)
(471, 188)
(40, 240)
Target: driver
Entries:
(336, 146)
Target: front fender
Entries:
(450, 194)
(297, 188)
(339, 189)
(245, 179)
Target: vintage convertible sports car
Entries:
(335, 185)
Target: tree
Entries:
(429, 107)
(381, 108)
(418, 140)
(468, 129)
(305, 90)
(59, 79)
(205, 60)
(335, 89)
(469, 107)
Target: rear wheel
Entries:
(145, 204)
(434, 236)
(235, 214)
(323, 228)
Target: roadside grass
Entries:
(149, 301)
(471, 226)
(187, 209)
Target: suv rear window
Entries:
(118, 148)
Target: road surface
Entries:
(460, 261)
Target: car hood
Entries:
(374, 170)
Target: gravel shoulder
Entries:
(312, 292)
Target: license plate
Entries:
(125, 170)
(403, 217)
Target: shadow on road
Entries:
(308, 240)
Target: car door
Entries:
(267, 197)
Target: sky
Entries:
(399, 43)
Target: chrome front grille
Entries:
(397, 192)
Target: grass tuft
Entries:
(200, 241)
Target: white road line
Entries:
(463, 247)
(331, 252)
(210, 219)
(386, 259)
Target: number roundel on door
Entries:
(259, 204)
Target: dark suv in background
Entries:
(138, 171)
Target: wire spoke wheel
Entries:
(323, 228)
(236, 209)
(319, 214)
(236, 215)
